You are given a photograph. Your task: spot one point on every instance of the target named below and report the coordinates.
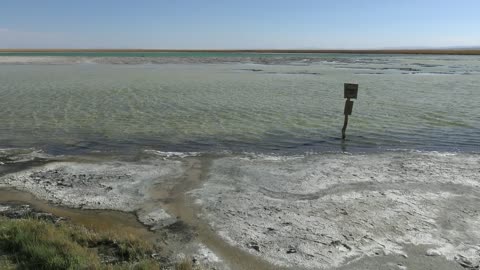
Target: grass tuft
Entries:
(38, 244)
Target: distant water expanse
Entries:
(237, 102)
(146, 54)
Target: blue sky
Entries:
(239, 24)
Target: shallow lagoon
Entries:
(254, 104)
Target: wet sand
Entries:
(163, 213)
(102, 220)
(182, 205)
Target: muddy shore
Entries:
(107, 196)
(404, 210)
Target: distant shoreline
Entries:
(421, 51)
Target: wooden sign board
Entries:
(348, 107)
(350, 90)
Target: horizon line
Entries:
(462, 51)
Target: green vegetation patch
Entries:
(38, 244)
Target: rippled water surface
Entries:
(257, 103)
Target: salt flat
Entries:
(330, 210)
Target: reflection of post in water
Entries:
(350, 91)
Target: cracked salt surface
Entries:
(111, 185)
(330, 210)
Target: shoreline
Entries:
(393, 51)
(162, 211)
(350, 210)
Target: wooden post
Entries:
(345, 122)
(350, 91)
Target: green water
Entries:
(405, 102)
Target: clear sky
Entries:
(239, 24)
